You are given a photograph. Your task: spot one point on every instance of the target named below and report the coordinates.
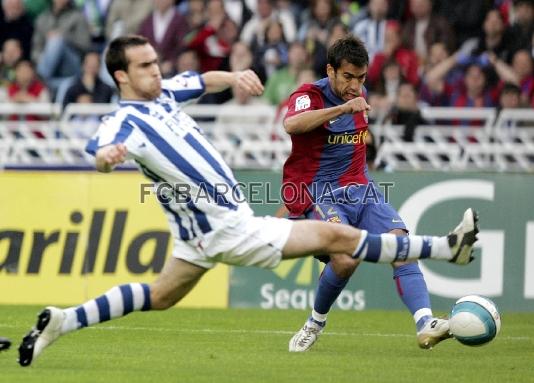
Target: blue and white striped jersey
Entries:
(200, 190)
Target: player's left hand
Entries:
(249, 81)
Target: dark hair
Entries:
(116, 53)
(348, 48)
(510, 88)
(523, 2)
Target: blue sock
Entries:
(412, 290)
(330, 286)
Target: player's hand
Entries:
(109, 156)
(356, 105)
(249, 81)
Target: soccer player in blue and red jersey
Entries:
(325, 178)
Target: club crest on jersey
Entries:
(366, 116)
(334, 219)
(302, 102)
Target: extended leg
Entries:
(175, 281)
(314, 237)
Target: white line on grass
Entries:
(266, 332)
(272, 332)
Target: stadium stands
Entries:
(249, 137)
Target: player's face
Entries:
(347, 81)
(143, 76)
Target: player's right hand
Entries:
(116, 154)
(356, 105)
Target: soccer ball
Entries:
(474, 320)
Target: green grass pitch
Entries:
(185, 345)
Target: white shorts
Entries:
(254, 241)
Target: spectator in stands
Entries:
(394, 50)
(474, 91)
(79, 122)
(95, 12)
(406, 111)
(510, 97)
(26, 88)
(493, 38)
(240, 57)
(89, 83)
(35, 7)
(464, 17)
(238, 11)
(316, 24)
(125, 17)
(11, 54)
(426, 28)
(384, 93)
(399, 10)
(187, 60)
(372, 29)
(523, 67)
(434, 86)
(522, 27)
(214, 40)
(505, 9)
(351, 12)
(195, 13)
(165, 28)
(471, 90)
(15, 24)
(317, 50)
(61, 37)
(273, 54)
(284, 81)
(253, 32)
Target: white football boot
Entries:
(463, 237)
(45, 332)
(434, 331)
(305, 337)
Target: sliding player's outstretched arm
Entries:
(247, 80)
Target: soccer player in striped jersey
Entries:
(328, 124)
(151, 128)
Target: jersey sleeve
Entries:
(183, 87)
(113, 131)
(304, 99)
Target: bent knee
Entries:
(402, 263)
(161, 299)
(343, 265)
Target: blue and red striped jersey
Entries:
(327, 158)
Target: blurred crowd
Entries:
(436, 52)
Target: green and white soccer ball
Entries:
(474, 320)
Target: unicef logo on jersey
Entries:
(348, 139)
(296, 284)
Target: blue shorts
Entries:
(361, 206)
